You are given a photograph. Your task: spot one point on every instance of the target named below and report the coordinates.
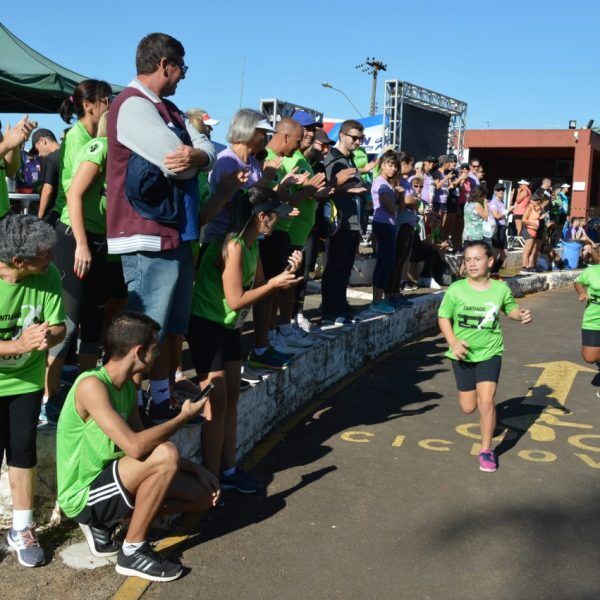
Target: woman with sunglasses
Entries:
(229, 280)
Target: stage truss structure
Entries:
(398, 93)
(275, 110)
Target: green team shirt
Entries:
(590, 278)
(475, 317)
(300, 227)
(35, 299)
(282, 224)
(208, 297)
(83, 450)
(361, 159)
(94, 199)
(77, 137)
(4, 200)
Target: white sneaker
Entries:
(297, 338)
(303, 323)
(429, 282)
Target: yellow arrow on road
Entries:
(554, 384)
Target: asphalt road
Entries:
(377, 493)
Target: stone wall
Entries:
(280, 394)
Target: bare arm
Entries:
(39, 336)
(45, 195)
(458, 347)
(520, 314)
(92, 400)
(581, 291)
(82, 181)
(233, 285)
(481, 211)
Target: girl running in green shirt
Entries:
(469, 320)
(228, 282)
(587, 286)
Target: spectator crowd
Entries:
(146, 236)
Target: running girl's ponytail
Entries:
(91, 90)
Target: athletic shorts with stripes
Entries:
(108, 500)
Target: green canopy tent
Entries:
(30, 82)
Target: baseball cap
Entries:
(209, 120)
(40, 133)
(499, 186)
(321, 136)
(565, 185)
(452, 158)
(443, 159)
(429, 158)
(523, 182)
(306, 119)
(268, 201)
(266, 125)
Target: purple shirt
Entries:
(381, 214)
(440, 195)
(496, 205)
(227, 162)
(428, 188)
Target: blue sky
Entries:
(517, 64)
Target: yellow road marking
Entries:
(537, 455)
(398, 441)
(435, 445)
(358, 437)
(133, 587)
(554, 383)
(577, 441)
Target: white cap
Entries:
(523, 182)
(266, 125)
(565, 185)
(209, 120)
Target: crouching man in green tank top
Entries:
(110, 468)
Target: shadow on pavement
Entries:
(384, 393)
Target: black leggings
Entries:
(404, 241)
(310, 252)
(83, 298)
(18, 428)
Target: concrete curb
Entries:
(263, 406)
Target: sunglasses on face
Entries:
(356, 138)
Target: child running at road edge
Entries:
(469, 320)
(587, 286)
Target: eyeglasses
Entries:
(416, 185)
(182, 66)
(355, 138)
(474, 166)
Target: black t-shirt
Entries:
(50, 174)
(348, 204)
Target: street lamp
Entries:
(328, 85)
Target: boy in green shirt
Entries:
(109, 467)
(469, 320)
(587, 286)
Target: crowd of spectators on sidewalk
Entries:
(146, 235)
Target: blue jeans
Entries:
(385, 234)
(159, 284)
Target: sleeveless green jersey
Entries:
(208, 297)
(83, 450)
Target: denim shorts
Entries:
(159, 284)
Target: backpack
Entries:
(327, 219)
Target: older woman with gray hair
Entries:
(32, 319)
(247, 137)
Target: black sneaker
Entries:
(240, 481)
(159, 413)
(147, 564)
(99, 540)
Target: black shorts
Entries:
(108, 500)
(115, 282)
(590, 337)
(469, 374)
(212, 345)
(19, 416)
(499, 239)
(275, 250)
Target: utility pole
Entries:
(372, 66)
